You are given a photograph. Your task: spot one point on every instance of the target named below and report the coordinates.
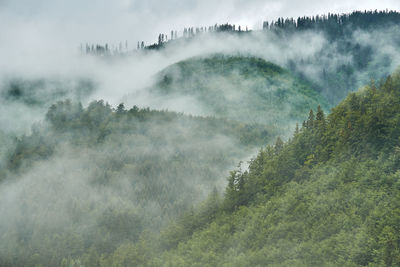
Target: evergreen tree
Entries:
(120, 108)
(278, 145)
(310, 121)
(297, 130)
(320, 117)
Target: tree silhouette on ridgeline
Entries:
(333, 25)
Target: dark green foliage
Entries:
(358, 59)
(328, 197)
(241, 88)
(335, 25)
(342, 32)
(158, 164)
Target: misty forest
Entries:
(215, 145)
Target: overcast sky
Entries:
(70, 22)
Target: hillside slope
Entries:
(337, 53)
(242, 88)
(90, 179)
(328, 197)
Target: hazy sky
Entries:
(69, 22)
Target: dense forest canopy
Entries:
(349, 59)
(242, 88)
(304, 108)
(337, 24)
(327, 197)
(123, 172)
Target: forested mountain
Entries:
(246, 89)
(358, 47)
(351, 37)
(335, 25)
(86, 183)
(327, 197)
(108, 176)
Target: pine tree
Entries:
(320, 114)
(320, 120)
(120, 108)
(278, 145)
(297, 130)
(310, 121)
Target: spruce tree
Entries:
(278, 145)
(310, 121)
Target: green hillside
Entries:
(241, 88)
(92, 185)
(108, 176)
(122, 188)
(328, 197)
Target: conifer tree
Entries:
(278, 145)
(320, 114)
(297, 131)
(310, 121)
(120, 108)
(320, 120)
